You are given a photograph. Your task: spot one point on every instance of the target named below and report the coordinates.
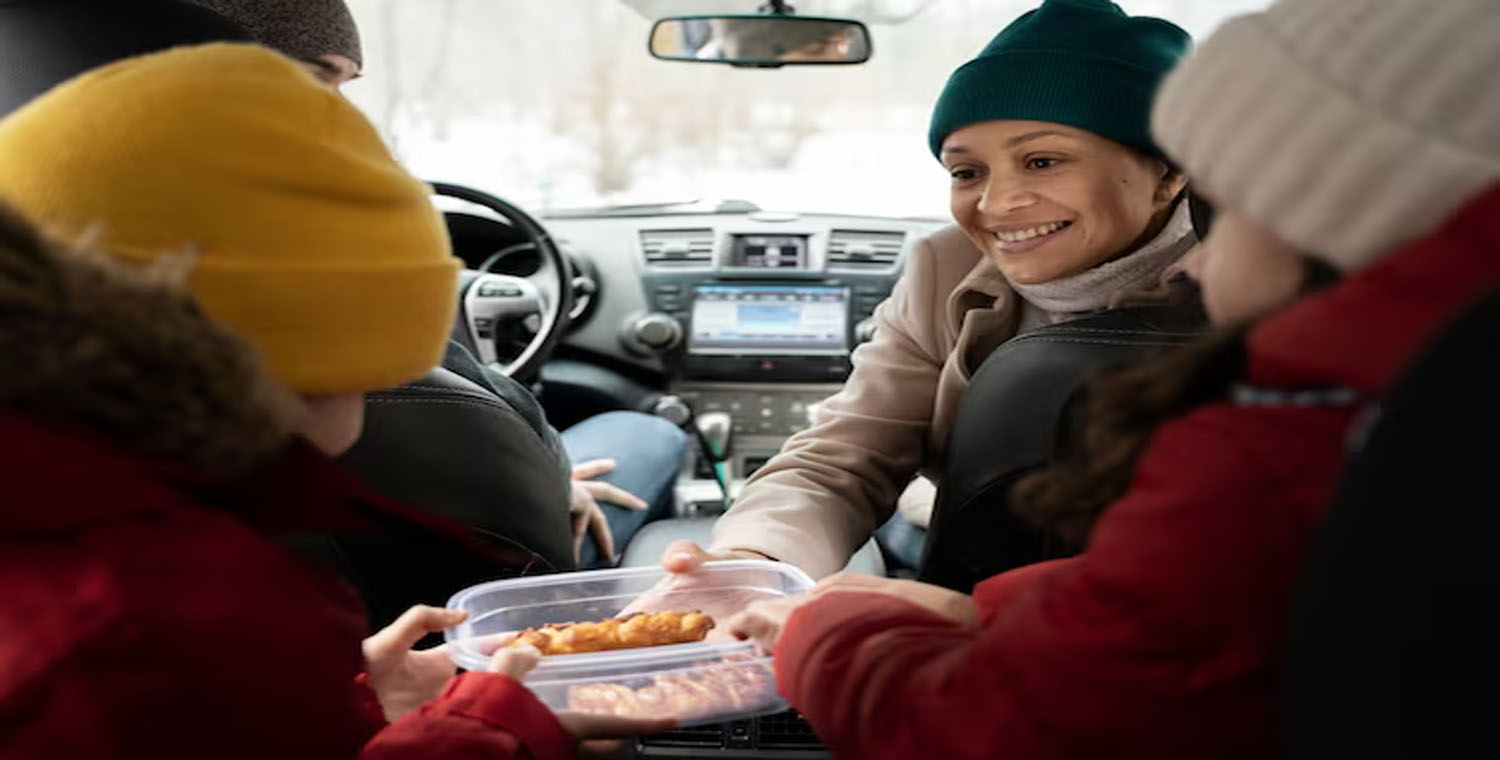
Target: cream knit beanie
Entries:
(1348, 127)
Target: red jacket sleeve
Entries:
(479, 715)
(230, 685)
(1156, 642)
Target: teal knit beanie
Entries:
(1083, 63)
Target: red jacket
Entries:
(151, 603)
(1164, 639)
(138, 621)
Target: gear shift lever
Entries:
(715, 429)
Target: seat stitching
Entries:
(495, 405)
(441, 389)
(1097, 331)
(1096, 341)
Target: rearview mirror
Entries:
(760, 41)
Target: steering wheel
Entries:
(487, 300)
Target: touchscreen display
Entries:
(770, 319)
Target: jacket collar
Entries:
(1361, 333)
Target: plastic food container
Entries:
(714, 680)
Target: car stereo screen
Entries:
(770, 319)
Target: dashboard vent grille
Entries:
(856, 250)
(678, 248)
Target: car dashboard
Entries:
(749, 314)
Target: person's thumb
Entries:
(683, 557)
(515, 661)
(410, 628)
(754, 626)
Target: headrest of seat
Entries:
(46, 42)
(1028, 383)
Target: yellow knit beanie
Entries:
(311, 240)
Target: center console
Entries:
(757, 320)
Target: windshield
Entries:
(556, 104)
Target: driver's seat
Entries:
(449, 445)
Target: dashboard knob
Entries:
(673, 409)
(658, 331)
(864, 332)
(652, 333)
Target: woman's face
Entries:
(1244, 270)
(332, 423)
(1046, 201)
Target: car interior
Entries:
(734, 320)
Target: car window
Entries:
(556, 104)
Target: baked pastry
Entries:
(643, 629)
(729, 688)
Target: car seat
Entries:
(1011, 421)
(1393, 642)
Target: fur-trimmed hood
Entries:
(127, 354)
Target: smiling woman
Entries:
(1065, 209)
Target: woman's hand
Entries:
(587, 517)
(685, 557)
(402, 678)
(764, 621)
(517, 661)
(685, 589)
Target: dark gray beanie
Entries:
(303, 29)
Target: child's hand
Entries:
(943, 601)
(402, 678)
(763, 621)
(515, 661)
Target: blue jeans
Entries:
(648, 454)
(903, 542)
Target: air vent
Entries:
(678, 248)
(702, 736)
(854, 250)
(786, 730)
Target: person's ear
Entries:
(1170, 183)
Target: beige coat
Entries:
(814, 504)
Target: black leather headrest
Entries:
(449, 447)
(1011, 421)
(446, 445)
(46, 42)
